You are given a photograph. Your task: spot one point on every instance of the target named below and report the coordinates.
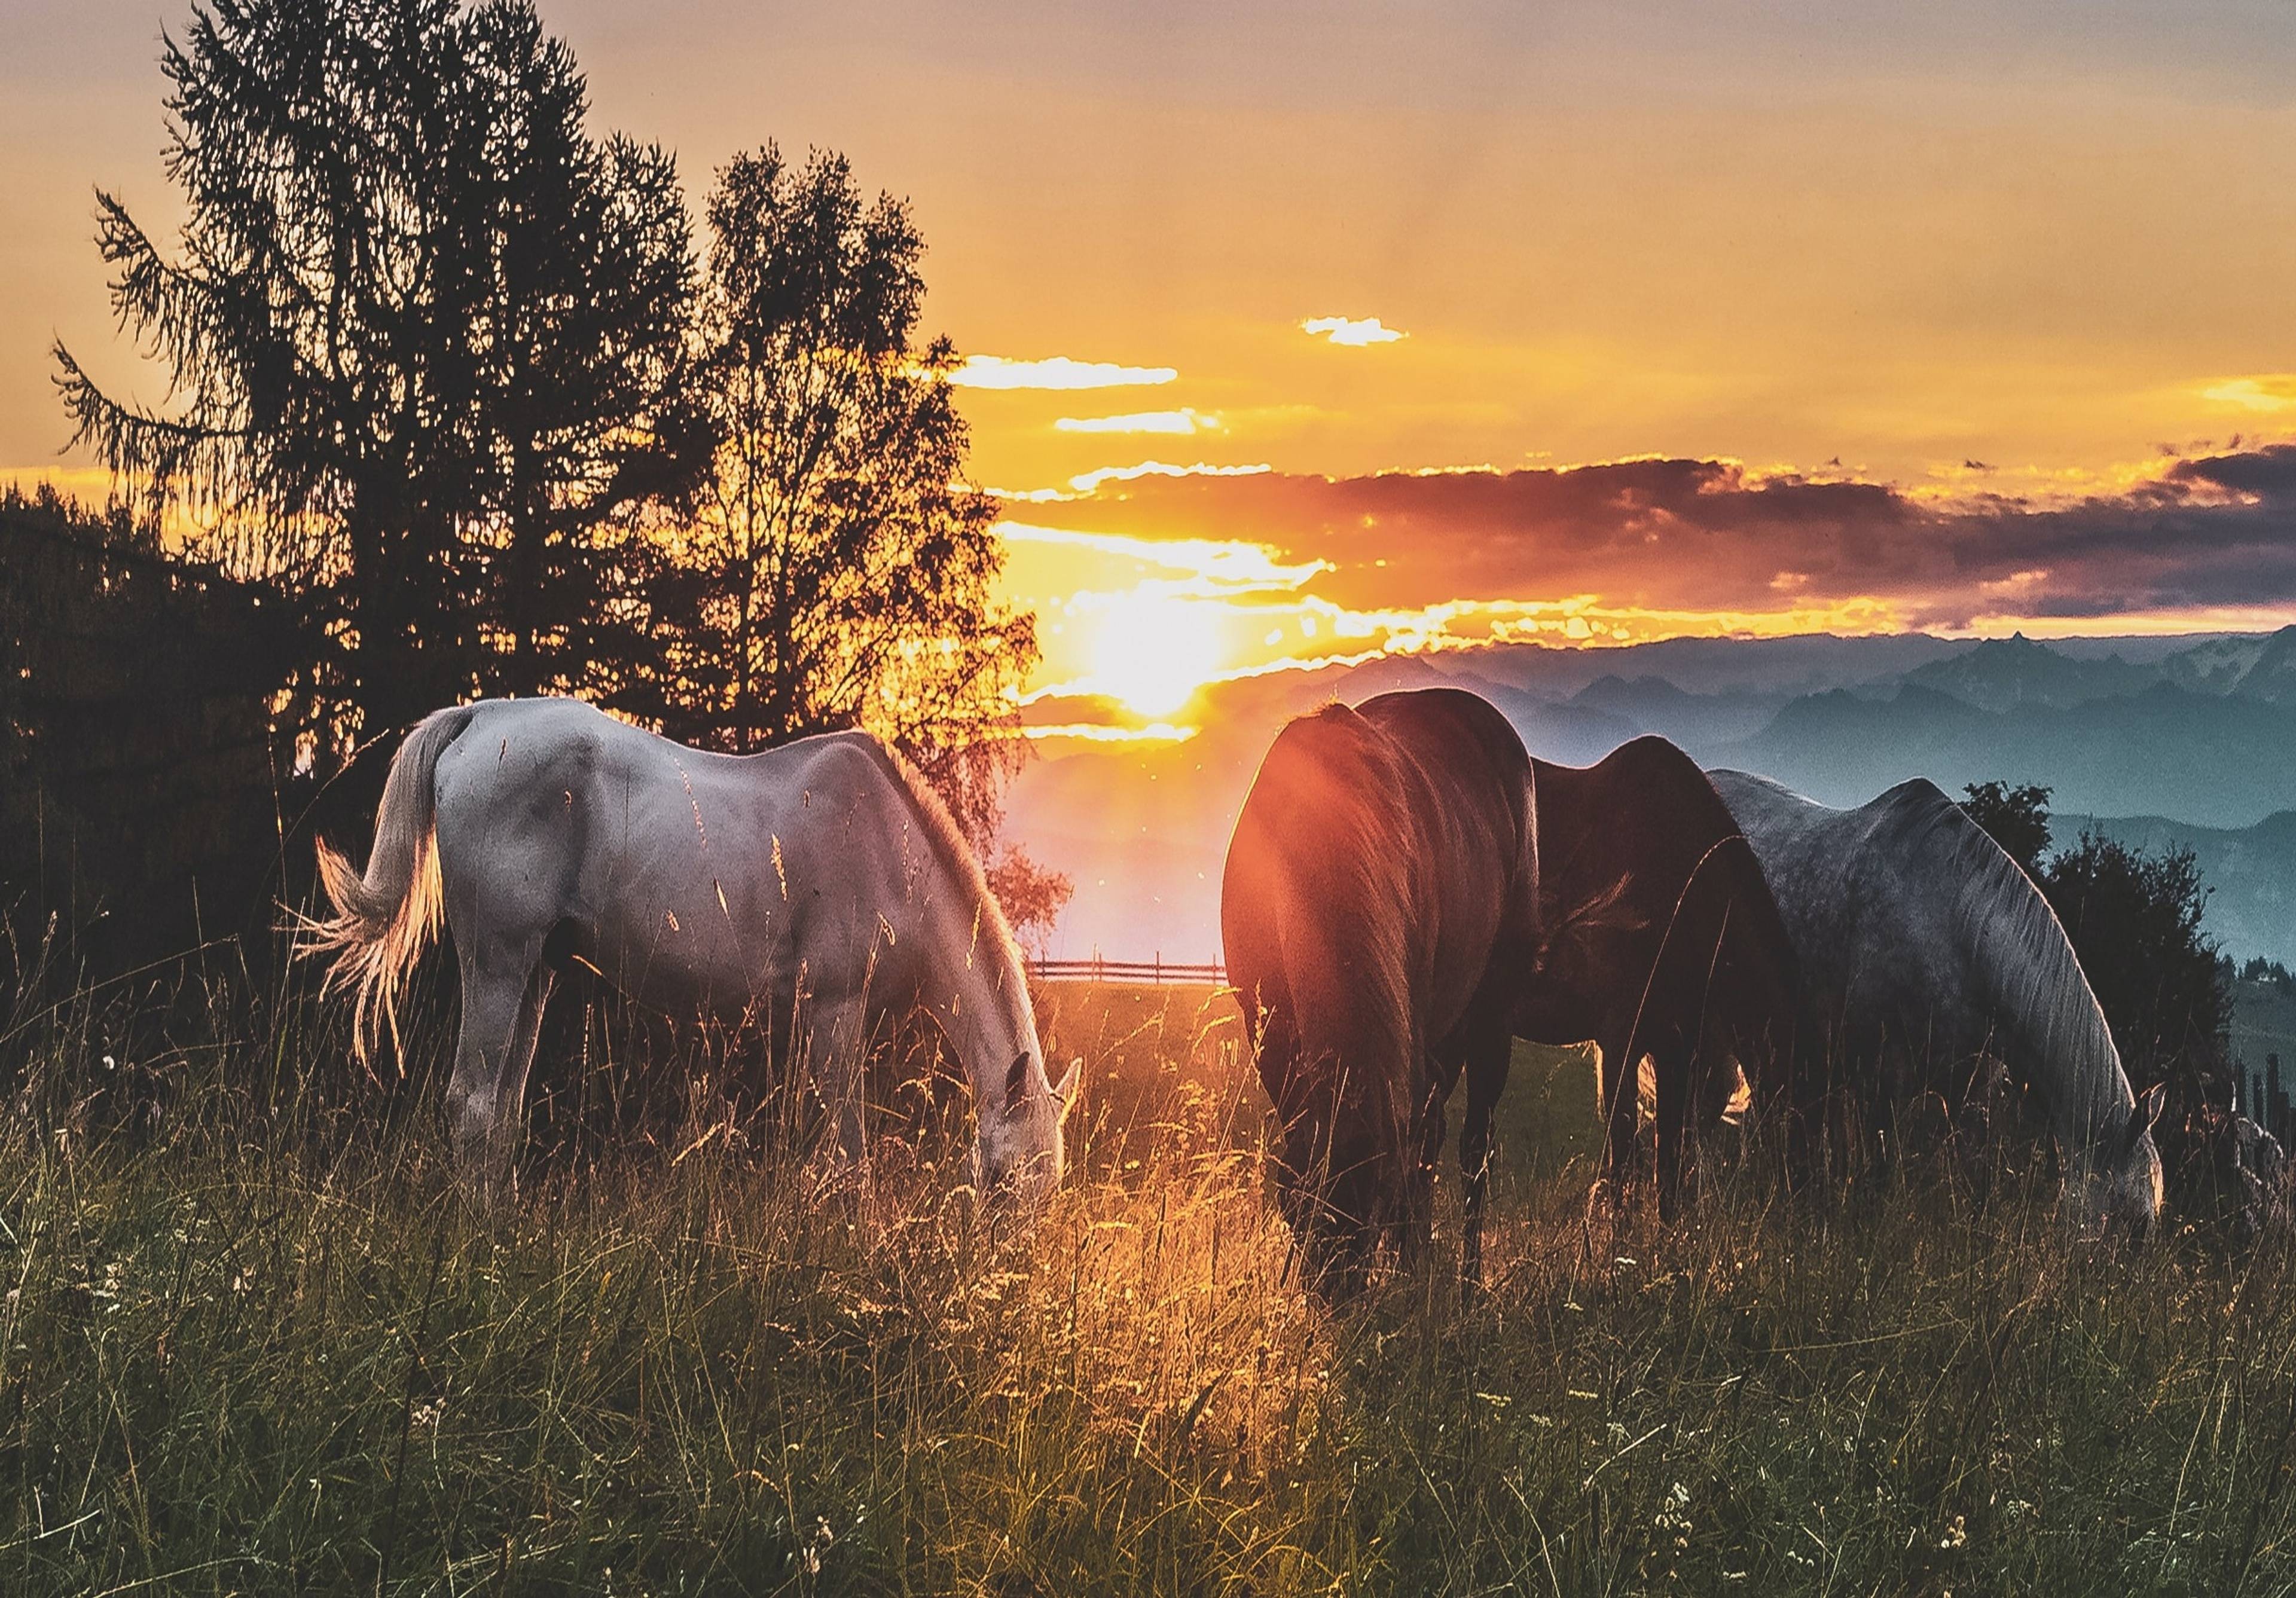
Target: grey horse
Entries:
(819, 886)
(1925, 949)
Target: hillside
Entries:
(2263, 1024)
(2251, 872)
(2215, 760)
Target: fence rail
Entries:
(1156, 971)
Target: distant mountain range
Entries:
(2250, 874)
(2193, 739)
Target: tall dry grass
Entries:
(253, 1342)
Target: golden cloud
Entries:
(1356, 333)
(1090, 482)
(2274, 391)
(1054, 372)
(1185, 420)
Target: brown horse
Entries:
(1380, 910)
(1662, 941)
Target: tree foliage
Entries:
(2016, 817)
(423, 335)
(1032, 895)
(2134, 920)
(834, 571)
(141, 792)
(451, 403)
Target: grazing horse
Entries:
(820, 886)
(1925, 949)
(1378, 908)
(1662, 940)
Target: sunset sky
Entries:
(1309, 329)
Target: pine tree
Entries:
(424, 335)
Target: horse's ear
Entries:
(1065, 1095)
(1016, 1083)
(2149, 1105)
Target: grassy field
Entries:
(251, 1343)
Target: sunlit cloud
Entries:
(1582, 619)
(1233, 565)
(1057, 372)
(2272, 392)
(2190, 532)
(1185, 420)
(1354, 333)
(1097, 732)
(1086, 482)
(1280, 572)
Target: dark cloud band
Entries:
(1697, 535)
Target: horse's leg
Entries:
(837, 1062)
(502, 998)
(1488, 1055)
(1620, 1083)
(1806, 1092)
(1441, 1074)
(1671, 1062)
(1418, 1229)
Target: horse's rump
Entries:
(1662, 944)
(1321, 912)
(1926, 946)
(1380, 861)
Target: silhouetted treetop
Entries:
(835, 571)
(2016, 817)
(423, 334)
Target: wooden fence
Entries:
(1100, 969)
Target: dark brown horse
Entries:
(1379, 913)
(1662, 940)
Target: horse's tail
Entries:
(382, 919)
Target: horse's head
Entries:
(1018, 1158)
(2118, 1183)
(1336, 1184)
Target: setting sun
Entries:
(1153, 654)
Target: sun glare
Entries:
(1154, 653)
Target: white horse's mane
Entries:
(2023, 958)
(957, 856)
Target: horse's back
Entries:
(685, 875)
(1476, 784)
(1454, 733)
(1869, 896)
(1645, 808)
(1808, 852)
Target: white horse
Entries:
(821, 886)
(1924, 947)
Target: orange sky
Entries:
(2021, 250)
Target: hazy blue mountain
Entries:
(2141, 649)
(1811, 663)
(2251, 872)
(1652, 704)
(2010, 674)
(2221, 761)
(2273, 677)
(2216, 665)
